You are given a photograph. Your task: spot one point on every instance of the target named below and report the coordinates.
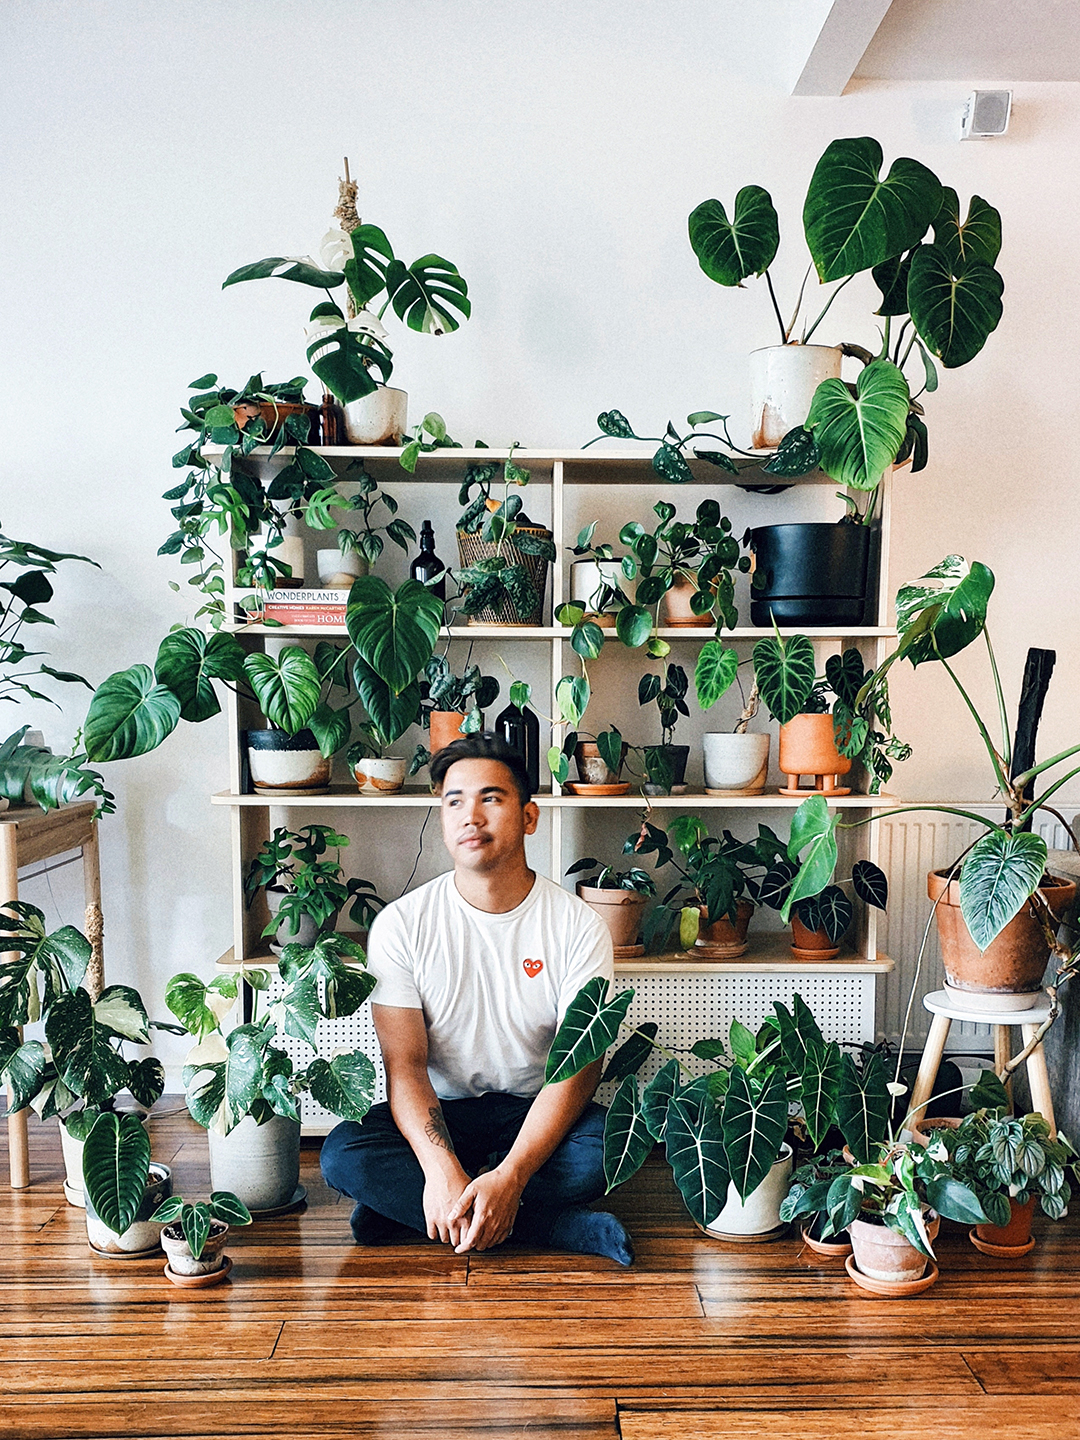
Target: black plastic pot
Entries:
(812, 574)
(677, 756)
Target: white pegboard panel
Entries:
(701, 1007)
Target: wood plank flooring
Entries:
(313, 1336)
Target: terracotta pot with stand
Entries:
(621, 912)
(807, 747)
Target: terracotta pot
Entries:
(1008, 975)
(783, 379)
(380, 418)
(882, 1254)
(922, 1130)
(722, 940)
(445, 728)
(283, 764)
(836, 1248)
(274, 416)
(383, 775)
(675, 605)
(620, 910)
(1018, 1231)
(807, 748)
(811, 944)
(591, 765)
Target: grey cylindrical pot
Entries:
(260, 1164)
(308, 932)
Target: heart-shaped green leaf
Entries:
(130, 714)
(116, 1166)
(394, 631)
(785, 673)
(589, 1026)
(938, 621)
(195, 1223)
(853, 219)
(224, 1205)
(715, 672)
(891, 278)
(955, 305)
(287, 686)
(817, 1088)
(188, 660)
(730, 250)
(859, 435)
(633, 625)
(997, 877)
(813, 830)
(976, 238)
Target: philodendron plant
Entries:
(297, 862)
(1000, 872)
(729, 1125)
(196, 1217)
(347, 347)
(243, 1072)
(498, 579)
(943, 295)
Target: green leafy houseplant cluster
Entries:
(606, 877)
(230, 1076)
(999, 873)
(1004, 1157)
(367, 500)
(346, 350)
(944, 295)
(498, 579)
(315, 886)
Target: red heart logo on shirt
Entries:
(532, 967)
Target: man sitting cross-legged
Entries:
(475, 972)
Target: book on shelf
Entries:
(286, 596)
(302, 607)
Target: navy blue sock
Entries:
(371, 1228)
(582, 1231)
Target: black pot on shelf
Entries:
(281, 764)
(676, 756)
(811, 574)
(521, 731)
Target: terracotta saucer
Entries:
(830, 1249)
(892, 1289)
(803, 792)
(1001, 1252)
(574, 787)
(811, 955)
(628, 952)
(200, 1282)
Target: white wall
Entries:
(553, 153)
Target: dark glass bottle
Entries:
(427, 564)
(521, 731)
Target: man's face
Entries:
(483, 820)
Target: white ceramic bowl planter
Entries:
(380, 775)
(783, 379)
(735, 764)
(758, 1216)
(380, 418)
(339, 568)
(143, 1235)
(259, 1164)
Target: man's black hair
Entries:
(481, 747)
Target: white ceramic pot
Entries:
(290, 552)
(380, 418)
(783, 379)
(260, 1164)
(380, 776)
(737, 764)
(283, 764)
(759, 1213)
(339, 568)
(587, 576)
(181, 1260)
(142, 1234)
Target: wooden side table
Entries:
(945, 1010)
(27, 836)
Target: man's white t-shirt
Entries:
(493, 988)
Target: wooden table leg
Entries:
(18, 1142)
(95, 925)
(1003, 1054)
(1038, 1079)
(928, 1068)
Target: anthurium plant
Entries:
(605, 877)
(196, 1217)
(315, 885)
(347, 346)
(938, 296)
(243, 1072)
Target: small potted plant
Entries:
(359, 547)
(454, 704)
(736, 761)
(504, 555)
(314, 891)
(685, 570)
(193, 1236)
(598, 580)
(807, 1202)
(820, 921)
(123, 1188)
(665, 764)
(619, 898)
(1010, 1162)
(347, 347)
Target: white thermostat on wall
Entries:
(986, 114)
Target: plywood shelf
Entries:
(346, 796)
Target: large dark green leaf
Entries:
(589, 1026)
(330, 727)
(853, 219)
(818, 1087)
(390, 714)
(116, 1167)
(695, 1152)
(753, 1123)
(951, 1198)
(859, 435)
(423, 294)
(976, 238)
(891, 278)
(715, 672)
(344, 360)
(130, 714)
(87, 1062)
(631, 1054)
(344, 1085)
(870, 883)
(188, 660)
(656, 1097)
(996, 879)
(845, 674)
(730, 250)
(287, 686)
(286, 267)
(955, 306)
(785, 674)
(627, 1142)
(812, 842)
(862, 1106)
(633, 625)
(221, 1093)
(146, 1080)
(394, 631)
(365, 273)
(346, 990)
(938, 621)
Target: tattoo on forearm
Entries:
(436, 1130)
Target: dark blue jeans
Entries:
(375, 1164)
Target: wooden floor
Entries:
(313, 1336)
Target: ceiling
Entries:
(975, 40)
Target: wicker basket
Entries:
(472, 549)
